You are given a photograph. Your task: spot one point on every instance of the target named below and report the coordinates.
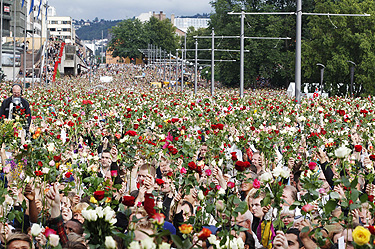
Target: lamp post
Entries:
(351, 77)
(321, 76)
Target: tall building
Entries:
(183, 23)
(62, 27)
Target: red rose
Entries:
(48, 231)
(358, 148)
(68, 174)
(199, 170)
(38, 173)
(234, 156)
(240, 166)
(204, 234)
(128, 200)
(220, 126)
(370, 198)
(158, 219)
(371, 229)
(214, 127)
(252, 128)
(40, 164)
(131, 133)
(312, 165)
(159, 181)
(341, 112)
(136, 126)
(56, 159)
(231, 184)
(99, 195)
(192, 165)
(350, 202)
(372, 157)
(25, 146)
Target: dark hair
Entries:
(106, 151)
(249, 240)
(190, 206)
(80, 230)
(18, 236)
(296, 232)
(74, 245)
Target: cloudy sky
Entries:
(122, 9)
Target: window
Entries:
(52, 29)
(54, 22)
(66, 30)
(65, 22)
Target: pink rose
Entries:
(307, 208)
(231, 184)
(208, 172)
(256, 184)
(183, 170)
(312, 165)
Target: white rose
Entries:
(35, 230)
(276, 172)
(164, 246)
(265, 177)
(286, 119)
(45, 170)
(212, 239)
(200, 195)
(220, 162)
(89, 157)
(96, 158)
(240, 243)
(213, 163)
(285, 173)
(134, 245)
(113, 221)
(220, 205)
(110, 243)
(99, 212)
(342, 152)
(108, 213)
(51, 147)
(301, 118)
(221, 191)
(89, 215)
(148, 243)
(54, 240)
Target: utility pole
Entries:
(33, 51)
(14, 39)
(24, 49)
(1, 34)
(242, 53)
(213, 62)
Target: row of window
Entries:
(59, 22)
(59, 29)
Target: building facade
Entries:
(62, 27)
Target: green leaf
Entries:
(334, 195)
(330, 206)
(177, 241)
(354, 195)
(305, 229)
(363, 198)
(345, 181)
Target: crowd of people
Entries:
(137, 167)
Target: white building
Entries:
(144, 17)
(184, 23)
(62, 27)
(39, 15)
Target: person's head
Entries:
(18, 241)
(106, 159)
(165, 166)
(77, 211)
(246, 184)
(203, 151)
(294, 242)
(16, 91)
(143, 171)
(75, 226)
(287, 216)
(325, 185)
(166, 187)
(289, 195)
(187, 210)
(72, 236)
(257, 160)
(244, 220)
(75, 245)
(255, 205)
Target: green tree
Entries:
(161, 34)
(127, 37)
(336, 40)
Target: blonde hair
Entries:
(79, 207)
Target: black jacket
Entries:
(4, 109)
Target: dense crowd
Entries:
(132, 166)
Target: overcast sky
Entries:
(123, 9)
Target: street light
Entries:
(321, 76)
(351, 77)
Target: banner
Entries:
(31, 6)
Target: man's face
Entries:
(19, 244)
(165, 167)
(71, 226)
(166, 188)
(141, 176)
(204, 150)
(243, 221)
(16, 90)
(292, 241)
(257, 208)
(287, 197)
(106, 159)
(256, 160)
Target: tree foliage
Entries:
(131, 35)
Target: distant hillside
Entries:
(94, 30)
